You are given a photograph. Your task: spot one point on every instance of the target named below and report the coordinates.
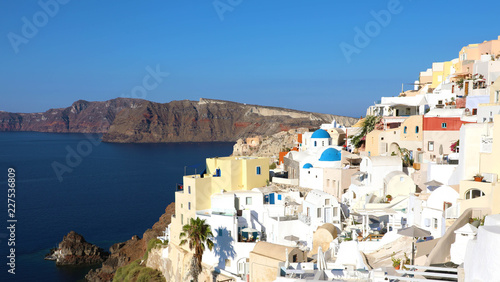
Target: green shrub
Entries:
(135, 272)
(153, 243)
(272, 166)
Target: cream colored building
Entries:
(386, 142)
(398, 183)
(481, 150)
(265, 259)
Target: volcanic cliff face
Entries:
(134, 120)
(81, 117)
(208, 120)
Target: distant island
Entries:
(125, 120)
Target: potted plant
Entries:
(478, 177)
(406, 261)
(396, 262)
(388, 198)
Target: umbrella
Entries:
(413, 232)
(291, 238)
(433, 183)
(249, 230)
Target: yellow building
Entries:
(408, 135)
(440, 71)
(228, 174)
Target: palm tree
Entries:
(196, 234)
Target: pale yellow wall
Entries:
(250, 178)
(438, 74)
(411, 123)
(411, 140)
(490, 200)
(397, 187)
(372, 142)
(236, 174)
(264, 269)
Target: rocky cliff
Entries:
(134, 120)
(208, 120)
(131, 250)
(74, 250)
(81, 117)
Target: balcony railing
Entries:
(305, 218)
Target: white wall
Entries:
(429, 216)
(441, 173)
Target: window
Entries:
(328, 183)
(497, 96)
(248, 200)
(327, 202)
(427, 222)
(323, 143)
(182, 219)
(258, 170)
(319, 212)
(473, 193)
(416, 129)
(294, 258)
(228, 263)
(315, 143)
(279, 197)
(189, 205)
(404, 130)
(189, 189)
(182, 206)
(335, 211)
(443, 125)
(308, 211)
(474, 112)
(430, 146)
(408, 111)
(435, 220)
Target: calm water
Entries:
(115, 192)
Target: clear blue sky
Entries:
(278, 53)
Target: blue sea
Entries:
(107, 192)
